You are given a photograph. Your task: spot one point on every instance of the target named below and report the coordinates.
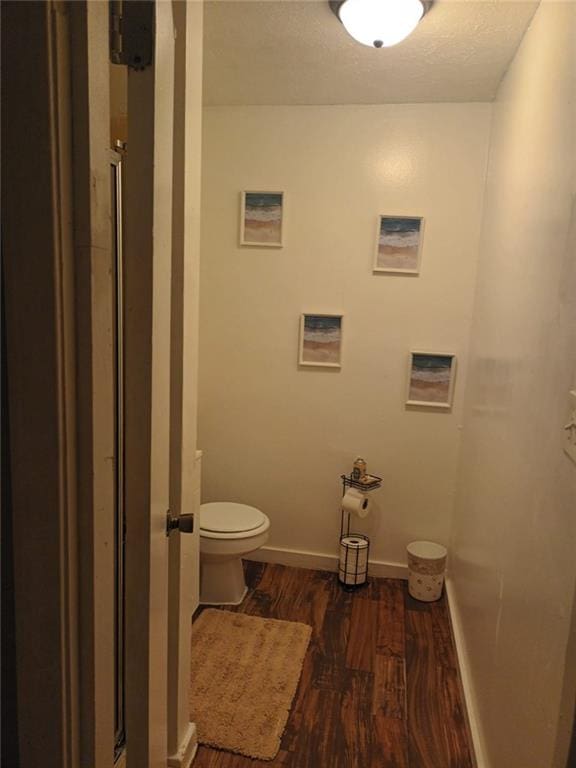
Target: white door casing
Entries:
(184, 459)
(94, 291)
(147, 267)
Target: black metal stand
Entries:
(351, 560)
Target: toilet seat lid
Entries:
(229, 517)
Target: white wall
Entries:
(514, 563)
(278, 437)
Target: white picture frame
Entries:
(431, 379)
(262, 218)
(399, 245)
(320, 343)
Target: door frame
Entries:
(185, 461)
(38, 269)
(59, 320)
(95, 292)
(148, 189)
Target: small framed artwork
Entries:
(321, 340)
(399, 244)
(262, 219)
(431, 378)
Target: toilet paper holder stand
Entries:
(354, 574)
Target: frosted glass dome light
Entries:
(380, 23)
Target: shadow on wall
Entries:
(9, 717)
(566, 732)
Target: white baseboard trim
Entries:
(187, 749)
(476, 731)
(320, 561)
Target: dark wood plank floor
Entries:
(379, 686)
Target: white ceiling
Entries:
(297, 52)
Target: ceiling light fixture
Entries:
(379, 23)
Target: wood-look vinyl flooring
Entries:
(379, 685)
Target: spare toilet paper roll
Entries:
(353, 554)
(355, 502)
(353, 560)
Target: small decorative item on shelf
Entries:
(359, 469)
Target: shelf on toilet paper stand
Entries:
(348, 482)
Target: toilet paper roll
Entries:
(352, 579)
(353, 559)
(354, 502)
(353, 564)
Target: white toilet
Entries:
(228, 532)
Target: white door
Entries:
(147, 298)
(184, 460)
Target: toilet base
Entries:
(222, 583)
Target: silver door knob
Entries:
(182, 523)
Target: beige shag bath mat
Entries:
(244, 675)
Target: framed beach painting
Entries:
(262, 219)
(431, 378)
(399, 244)
(320, 340)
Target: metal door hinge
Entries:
(132, 32)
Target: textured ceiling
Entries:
(294, 52)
